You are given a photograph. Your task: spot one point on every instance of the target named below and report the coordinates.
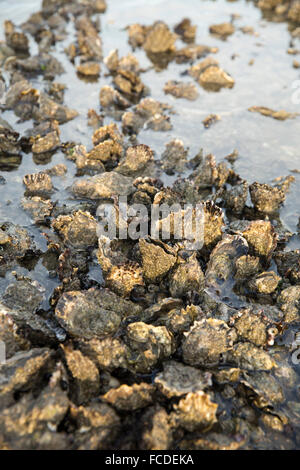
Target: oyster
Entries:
(195, 412)
(108, 353)
(137, 161)
(177, 379)
(181, 90)
(92, 313)
(78, 230)
(187, 277)
(129, 84)
(22, 373)
(281, 115)
(38, 184)
(97, 425)
(206, 343)
(157, 430)
(157, 260)
(174, 158)
(250, 357)
(159, 39)
(265, 198)
(222, 30)
(214, 78)
(186, 30)
(89, 69)
(289, 302)
(84, 375)
(131, 397)
(148, 345)
(103, 186)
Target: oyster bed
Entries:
(147, 344)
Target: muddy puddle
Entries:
(241, 303)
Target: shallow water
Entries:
(267, 148)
